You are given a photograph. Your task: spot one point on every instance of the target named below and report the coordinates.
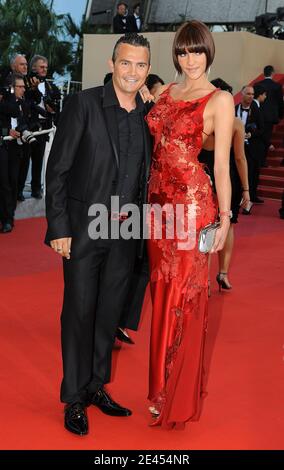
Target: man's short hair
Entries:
(121, 3)
(15, 77)
(152, 79)
(268, 70)
(133, 39)
(14, 57)
(193, 36)
(35, 59)
(244, 87)
(258, 90)
(220, 83)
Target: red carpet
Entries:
(244, 408)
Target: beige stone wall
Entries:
(240, 57)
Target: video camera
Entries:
(34, 74)
(52, 99)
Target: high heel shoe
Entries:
(222, 283)
(154, 412)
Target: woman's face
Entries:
(193, 64)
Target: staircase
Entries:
(271, 181)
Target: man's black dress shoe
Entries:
(21, 197)
(75, 419)
(6, 228)
(120, 334)
(36, 194)
(104, 402)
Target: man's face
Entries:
(121, 10)
(248, 94)
(20, 65)
(41, 68)
(262, 97)
(130, 68)
(19, 89)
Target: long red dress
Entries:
(179, 277)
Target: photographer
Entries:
(8, 112)
(47, 97)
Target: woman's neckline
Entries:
(188, 101)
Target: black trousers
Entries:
(132, 310)
(268, 129)
(6, 195)
(96, 288)
(254, 154)
(35, 152)
(15, 153)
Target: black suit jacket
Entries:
(273, 105)
(132, 25)
(83, 163)
(119, 26)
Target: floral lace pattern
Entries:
(178, 275)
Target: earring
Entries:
(208, 71)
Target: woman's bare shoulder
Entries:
(223, 97)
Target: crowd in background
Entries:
(28, 103)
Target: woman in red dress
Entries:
(182, 118)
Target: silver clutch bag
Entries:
(207, 236)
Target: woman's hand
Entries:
(221, 235)
(245, 199)
(145, 94)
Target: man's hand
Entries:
(14, 134)
(62, 246)
(34, 82)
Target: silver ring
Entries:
(59, 249)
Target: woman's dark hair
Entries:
(220, 83)
(152, 79)
(193, 36)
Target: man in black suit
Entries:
(47, 96)
(256, 145)
(135, 21)
(273, 105)
(120, 23)
(101, 149)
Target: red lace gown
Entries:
(179, 277)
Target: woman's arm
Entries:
(223, 129)
(146, 95)
(240, 158)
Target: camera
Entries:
(27, 137)
(34, 74)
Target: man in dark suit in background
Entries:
(101, 148)
(256, 146)
(135, 21)
(273, 105)
(120, 24)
